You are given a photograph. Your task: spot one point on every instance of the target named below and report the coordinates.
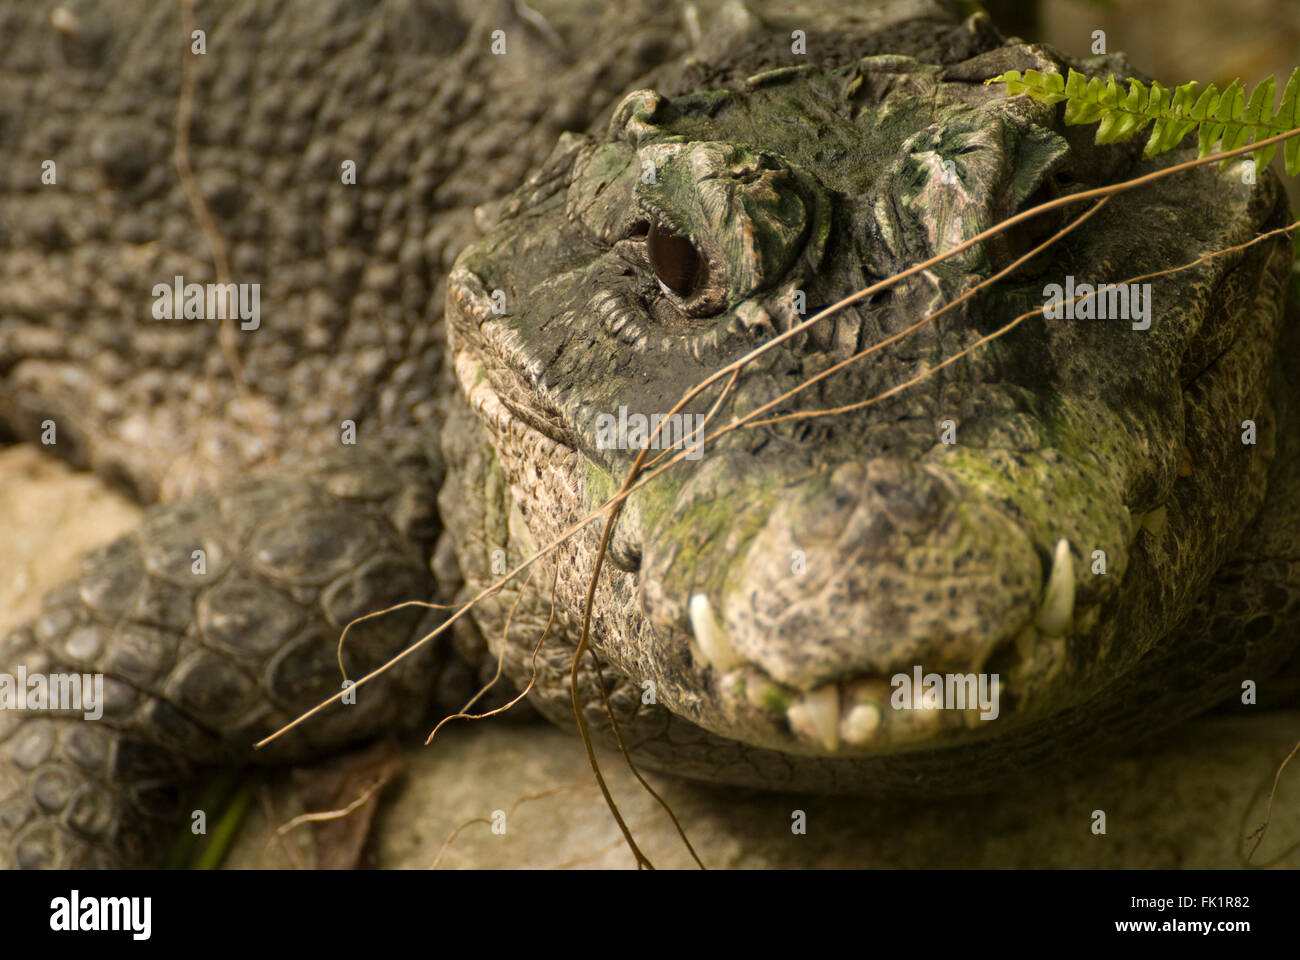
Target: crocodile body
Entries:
(756, 602)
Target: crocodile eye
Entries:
(676, 262)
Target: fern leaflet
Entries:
(1216, 115)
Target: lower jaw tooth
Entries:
(860, 724)
(1154, 522)
(817, 717)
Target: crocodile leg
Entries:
(340, 147)
(210, 627)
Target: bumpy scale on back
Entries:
(676, 237)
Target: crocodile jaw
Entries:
(765, 664)
(791, 576)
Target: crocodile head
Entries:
(1044, 508)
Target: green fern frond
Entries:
(1216, 115)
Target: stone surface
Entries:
(1186, 802)
(49, 516)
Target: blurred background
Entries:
(1173, 41)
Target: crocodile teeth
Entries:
(817, 717)
(714, 646)
(860, 724)
(1057, 609)
(1154, 522)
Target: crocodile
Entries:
(1096, 516)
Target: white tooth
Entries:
(1155, 521)
(860, 724)
(1057, 609)
(817, 716)
(710, 637)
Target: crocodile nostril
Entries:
(904, 498)
(624, 552)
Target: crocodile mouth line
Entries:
(852, 715)
(858, 715)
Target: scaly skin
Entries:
(769, 592)
(818, 180)
(351, 295)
